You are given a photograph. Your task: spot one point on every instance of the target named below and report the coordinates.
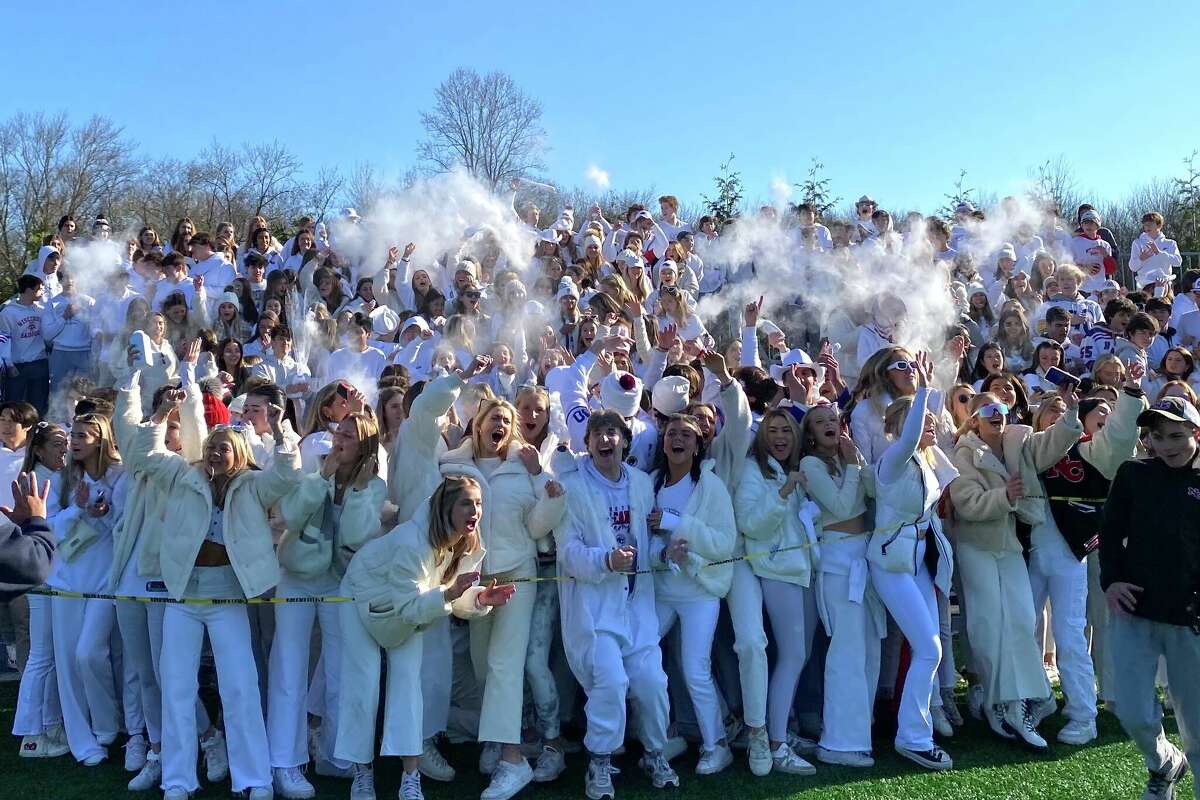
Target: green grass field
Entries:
(985, 767)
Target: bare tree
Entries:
(484, 123)
(363, 188)
(319, 194)
(1055, 186)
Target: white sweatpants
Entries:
(1001, 621)
(1064, 581)
(287, 684)
(228, 628)
(1136, 646)
(793, 613)
(615, 676)
(80, 630)
(542, 627)
(141, 626)
(402, 716)
(745, 603)
(912, 602)
(499, 644)
(697, 624)
(851, 668)
(37, 700)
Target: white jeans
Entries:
(141, 626)
(86, 688)
(911, 601)
(402, 716)
(37, 701)
(499, 644)
(792, 610)
(1063, 579)
(616, 676)
(1001, 620)
(542, 685)
(1136, 646)
(697, 624)
(287, 683)
(228, 628)
(745, 602)
(851, 668)
(437, 677)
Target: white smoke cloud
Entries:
(781, 191)
(597, 176)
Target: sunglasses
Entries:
(472, 295)
(991, 410)
(903, 365)
(964, 398)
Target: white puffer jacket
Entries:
(412, 465)
(707, 524)
(517, 511)
(396, 582)
(358, 523)
(771, 524)
(246, 530)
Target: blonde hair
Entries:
(1068, 271)
(977, 402)
(243, 458)
(107, 455)
(873, 381)
(314, 419)
(1043, 408)
(1105, 360)
(486, 407)
(761, 450)
(441, 527)
(366, 460)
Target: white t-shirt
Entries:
(216, 527)
(675, 586)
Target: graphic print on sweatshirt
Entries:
(619, 519)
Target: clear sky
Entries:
(895, 98)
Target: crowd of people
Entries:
(637, 482)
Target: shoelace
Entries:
(411, 789)
(1159, 781)
(364, 780)
(1027, 716)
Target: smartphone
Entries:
(343, 391)
(1058, 376)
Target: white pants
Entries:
(851, 668)
(1097, 617)
(745, 603)
(228, 628)
(402, 716)
(141, 626)
(437, 677)
(1063, 579)
(1001, 621)
(1136, 646)
(616, 675)
(37, 701)
(287, 693)
(912, 602)
(948, 670)
(86, 689)
(793, 613)
(499, 644)
(697, 624)
(543, 625)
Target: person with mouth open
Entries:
(521, 505)
(422, 571)
(997, 461)
(609, 622)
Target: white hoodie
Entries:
(1159, 266)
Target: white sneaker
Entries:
(33, 746)
(291, 783)
(845, 759)
(410, 786)
(56, 742)
(658, 769)
(674, 747)
(95, 760)
(433, 765)
(1161, 785)
(135, 753)
(1018, 718)
(1078, 732)
(1042, 709)
(995, 720)
(489, 757)
(785, 760)
(176, 793)
(714, 761)
(802, 744)
(150, 776)
(550, 764)
(216, 758)
(260, 793)
(362, 786)
(936, 759)
(940, 723)
(598, 785)
(507, 780)
(759, 753)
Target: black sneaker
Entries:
(1161, 785)
(935, 759)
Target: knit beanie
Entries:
(215, 412)
(621, 392)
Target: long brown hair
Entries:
(441, 528)
(761, 450)
(366, 460)
(73, 471)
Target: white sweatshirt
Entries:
(74, 334)
(1159, 266)
(21, 325)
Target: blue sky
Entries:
(894, 98)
